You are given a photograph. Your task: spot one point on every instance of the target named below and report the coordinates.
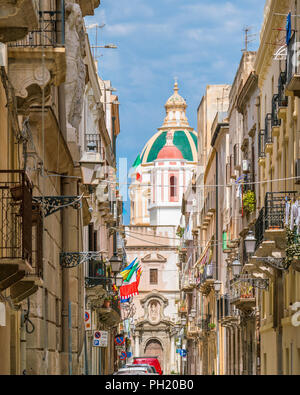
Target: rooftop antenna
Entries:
(248, 37)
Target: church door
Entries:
(154, 349)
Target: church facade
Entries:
(160, 177)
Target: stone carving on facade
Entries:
(154, 311)
(76, 71)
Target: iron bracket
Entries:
(275, 263)
(52, 204)
(69, 260)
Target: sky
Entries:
(198, 41)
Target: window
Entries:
(173, 185)
(153, 276)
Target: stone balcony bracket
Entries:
(17, 18)
(32, 75)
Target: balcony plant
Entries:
(180, 231)
(249, 202)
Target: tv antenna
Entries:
(248, 37)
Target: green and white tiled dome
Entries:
(184, 140)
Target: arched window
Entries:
(173, 186)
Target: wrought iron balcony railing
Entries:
(272, 215)
(15, 216)
(96, 140)
(268, 129)
(292, 61)
(241, 290)
(96, 274)
(275, 106)
(205, 323)
(282, 98)
(261, 144)
(50, 32)
(208, 274)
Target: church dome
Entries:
(184, 147)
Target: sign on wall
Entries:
(100, 339)
(87, 320)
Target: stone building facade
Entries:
(45, 72)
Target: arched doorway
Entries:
(154, 349)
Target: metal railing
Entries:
(292, 59)
(50, 31)
(204, 323)
(241, 290)
(268, 129)
(282, 98)
(275, 106)
(248, 183)
(115, 305)
(272, 215)
(96, 274)
(261, 144)
(15, 216)
(208, 273)
(93, 138)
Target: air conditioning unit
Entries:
(246, 166)
(297, 171)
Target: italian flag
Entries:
(137, 168)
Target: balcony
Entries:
(293, 74)
(270, 224)
(17, 18)
(207, 279)
(192, 330)
(18, 268)
(205, 324)
(38, 60)
(95, 140)
(261, 146)
(96, 275)
(110, 315)
(88, 6)
(242, 295)
(268, 133)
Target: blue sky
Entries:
(198, 41)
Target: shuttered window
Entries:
(153, 276)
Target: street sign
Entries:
(123, 355)
(100, 339)
(87, 320)
(119, 340)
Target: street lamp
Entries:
(115, 263)
(119, 280)
(250, 243)
(217, 286)
(88, 162)
(236, 267)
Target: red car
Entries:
(153, 361)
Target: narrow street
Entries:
(149, 190)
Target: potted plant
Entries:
(249, 202)
(211, 325)
(180, 231)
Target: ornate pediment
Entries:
(154, 258)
